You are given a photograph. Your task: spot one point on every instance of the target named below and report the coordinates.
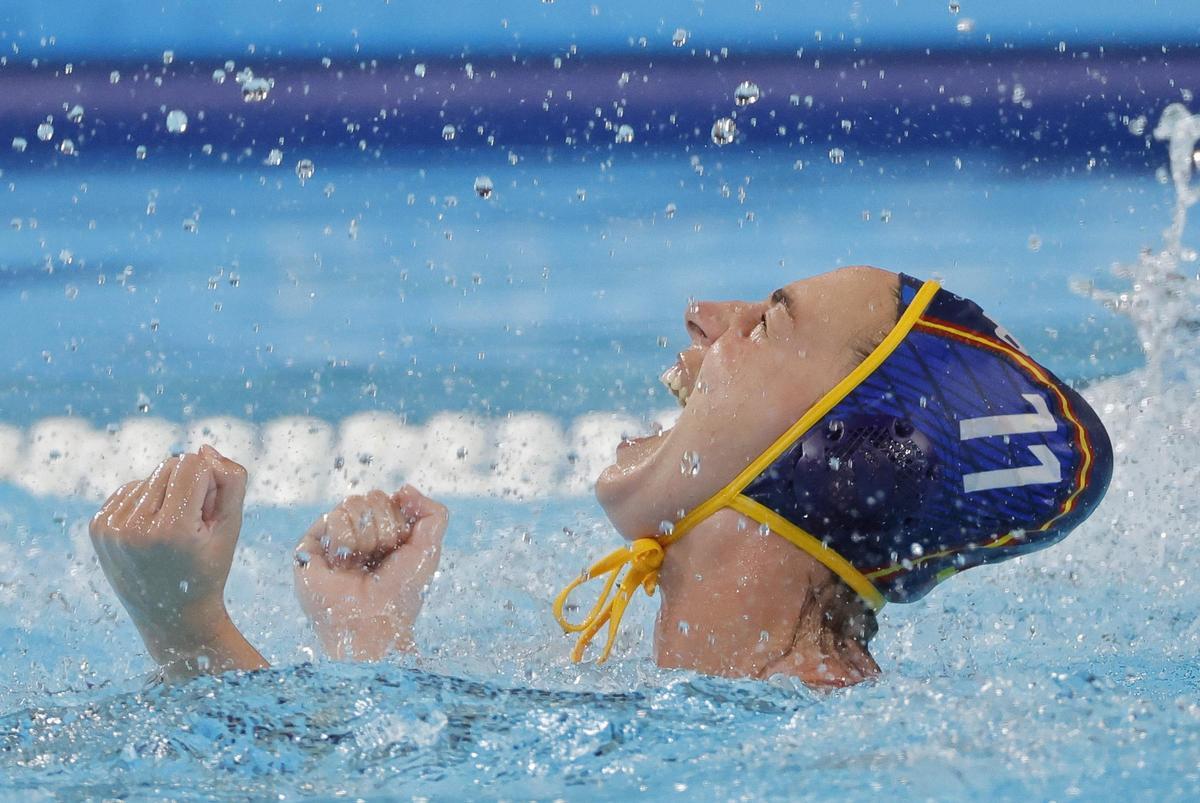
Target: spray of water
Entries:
(1163, 298)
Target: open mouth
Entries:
(679, 380)
(672, 378)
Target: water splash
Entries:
(1163, 299)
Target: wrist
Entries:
(204, 641)
(363, 637)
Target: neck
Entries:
(740, 603)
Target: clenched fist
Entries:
(166, 544)
(362, 568)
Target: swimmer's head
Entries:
(884, 426)
(753, 369)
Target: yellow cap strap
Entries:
(644, 557)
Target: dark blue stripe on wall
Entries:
(1034, 105)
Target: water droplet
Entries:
(419, 71)
(746, 94)
(184, 585)
(140, 152)
(670, 211)
(114, 77)
(764, 529)
(143, 403)
(483, 187)
(329, 190)
(1035, 243)
(202, 662)
(67, 147)
(168, 56)
(885, 216)
(469, 69)
(45, 131)
(763, 636)
(274, 158)
(19, 144)
(190, 224)
(680, 38)
(326, 62)
(76, 114)
(461, 453)
(689, 464)
(255, 90)
(448, 132)
(624, 134)
(581, 194)
(684, 627)
(724, 131)
(218, 76)
(837, 155)
(847, 125)
(305, 170)
(965, 25)
(177, 121)
(954, 7)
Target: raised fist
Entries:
(166, 544)
(362, 568)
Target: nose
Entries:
(708, 320)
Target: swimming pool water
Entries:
(490, 329)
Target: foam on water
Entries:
(1068, 673)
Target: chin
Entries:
(616, 492)
(623, 489)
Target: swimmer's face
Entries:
(753, 369)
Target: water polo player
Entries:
(853, 439)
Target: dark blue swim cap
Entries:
(952, 448)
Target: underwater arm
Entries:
(362, 569)
(166, 545)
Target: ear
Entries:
(862, 473)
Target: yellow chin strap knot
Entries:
(644, 557)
